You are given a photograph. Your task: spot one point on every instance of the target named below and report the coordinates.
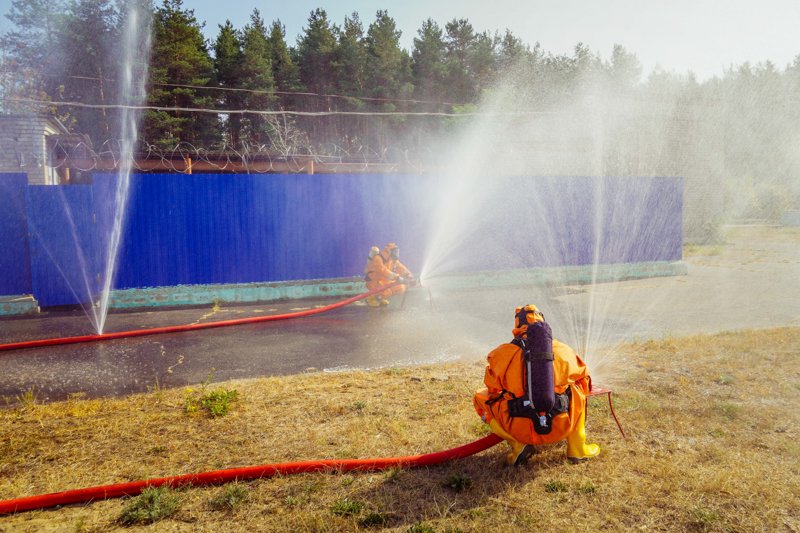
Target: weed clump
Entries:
(215, 403)
(555, 486)
(458, 483)
(347, 507)
(420, 528)
(230, 497)
(28, 399)
(152, 505)
(375, 519)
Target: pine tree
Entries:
(351, 57)
(512, 52)
(227, 61)
(482, 61)
(316, 51)
(29, 54)
(316, 57)
(284, 69)
(385, 66)
(86, 46)
(624, 69)
(459, 40)
(255, 73)
(428, 65)
(388, 73)
(179, 57)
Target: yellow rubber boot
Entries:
(577, 449)
(519, 453)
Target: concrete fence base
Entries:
(198, 295)
(21, 304)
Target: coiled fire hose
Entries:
(187, 327)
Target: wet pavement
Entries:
(753, 283)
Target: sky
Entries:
(702, 36)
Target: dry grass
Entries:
(713, 446)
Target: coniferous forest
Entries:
(346, 88)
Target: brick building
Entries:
(32, 144)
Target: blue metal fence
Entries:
(15, 261)
(202, 229)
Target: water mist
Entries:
(135, 53)
(492, 178)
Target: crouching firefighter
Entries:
(536, 390)
(384, 269)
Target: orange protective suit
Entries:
(383, 269)
(569, 370)
(505, 376)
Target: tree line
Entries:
(394, 100)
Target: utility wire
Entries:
(272, 112)
(289, 93)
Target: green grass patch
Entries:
(375, 519)
(724, 379)
(347, 507)
(152, 505)
(554, 486)
(420, 528)
(728, 410)
(28, 399)
(705, 517)
(230, 497)
(215, 403)
(458, 482)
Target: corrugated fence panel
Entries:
(203, 229)
(547, 222)
(15, 259)
(642, 220)
(247, 228)
(64, 256)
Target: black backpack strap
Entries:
(500, 396)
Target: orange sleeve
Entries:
(378, 269)
(402, 270)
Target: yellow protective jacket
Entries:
(505, 371)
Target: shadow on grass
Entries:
(407, 498)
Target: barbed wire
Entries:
(187, 158)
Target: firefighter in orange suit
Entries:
(383, 269)
(516, 415)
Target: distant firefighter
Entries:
(536, 390)
(383, 269)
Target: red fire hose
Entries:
(217, 477)
(188, 327)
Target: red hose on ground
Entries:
(188, 327)
(217, 477)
